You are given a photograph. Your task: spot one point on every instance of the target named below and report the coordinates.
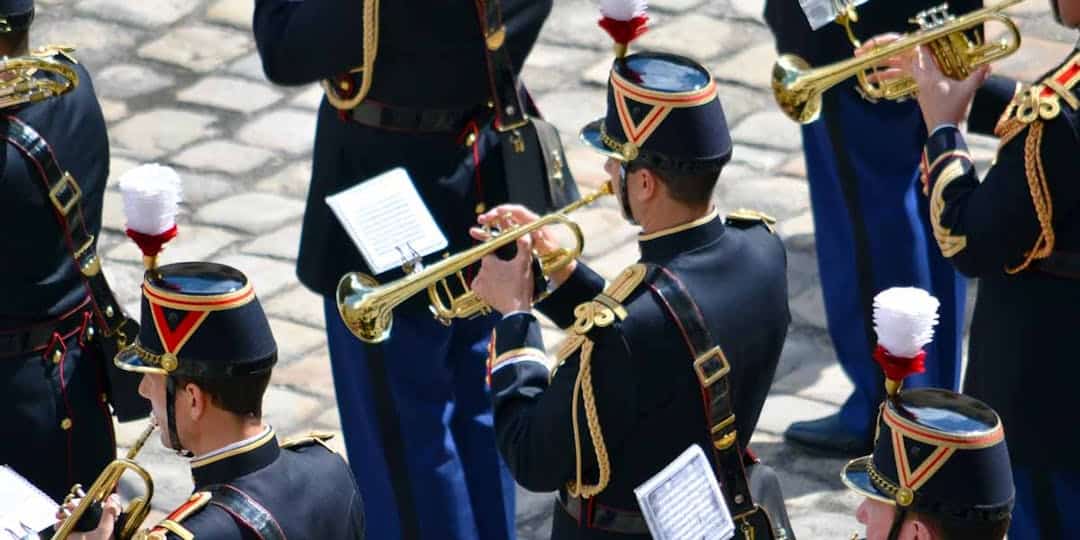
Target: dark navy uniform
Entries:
(420, 68)
(872, 233)
(202, 321)
(641, 400)
(1018, 232)
(301, 483)
(54, 380)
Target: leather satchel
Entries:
(537, 173)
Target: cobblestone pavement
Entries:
(180, 83)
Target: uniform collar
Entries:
(235, 460)
(666, 243)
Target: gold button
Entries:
(480, 208)
(345, 86)
(104, 398)
(109, 312)
(470, 139)
(65, 424)
(89, 333)
(57, 355)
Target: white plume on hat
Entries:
(623, 10)
(152, 195)
(904, 318)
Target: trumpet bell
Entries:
(364, 319)
(801, 103)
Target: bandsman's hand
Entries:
(544, 242)
(507, 286)
(110, 512)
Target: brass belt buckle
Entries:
(711, 365)
(68, 185)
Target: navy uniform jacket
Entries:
(40, 280)
(307, 488)
(830, 43)
(430, 56)
(646, 392)
(1022, 355)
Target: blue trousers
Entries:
(1045, 496)
(886, 241)
(460, 487)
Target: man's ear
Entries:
(649, 184)
(919, 529)
(194, 400)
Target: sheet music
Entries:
(387, 220)
(23, 507)
(822, 12)
(683, 501)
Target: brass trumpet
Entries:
(798, 88)
(105, 485)
(367, 307)
(21, 81)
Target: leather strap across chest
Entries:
(712, 370)
(246, 511)
(509, 112)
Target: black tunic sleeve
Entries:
(303, 42)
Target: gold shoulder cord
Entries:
(367, 69)
(1040, 197)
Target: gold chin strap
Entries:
(367, 69)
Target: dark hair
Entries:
(241, 395)
(14, 43)
(965, 529)
(688, 184)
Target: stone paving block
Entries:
(740, 102)
(769, 129)
(294, 340)
(288, 411)
(119, 165)
(674, 5)
(618, 259)
(569, 110)
(285, 130)
(598, 72)
(586, 165)
(310, 374)
(751, 66)
(199, 47)
(282, 243)
(809, 308)
(236, 13)
(831, 385)
(797, 232)
(330, 419)
(223, 156)
(802, 271)
(292, 181)
(780, 198)
(308, 99)
(123, 81)
(125, 280)
(268, 275)
(251, 212)
(298, 304)
(734, 172)
(573, 23)
(781, 410)
(1035, 57)
(192, 243)
(795, 166)
(154, 133)
(249, 66)
(113, 110)
(112, 213)
(230, 93)
(749, 9)
(604, 230)
(200, 188)
(152, 13)
(759, 158)
(97, 41)
(697, 36)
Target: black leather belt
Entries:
(605, 518)
(36, 337)
(378, 115)
(1064, 264)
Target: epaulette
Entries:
(51, 51)
(744, 218)
(602, 311)
(313, 437)
(171, 524)
(1043, 100)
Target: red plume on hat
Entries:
(152, 195)
(904, 319)
(624, 20)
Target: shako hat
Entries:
(200, 319)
